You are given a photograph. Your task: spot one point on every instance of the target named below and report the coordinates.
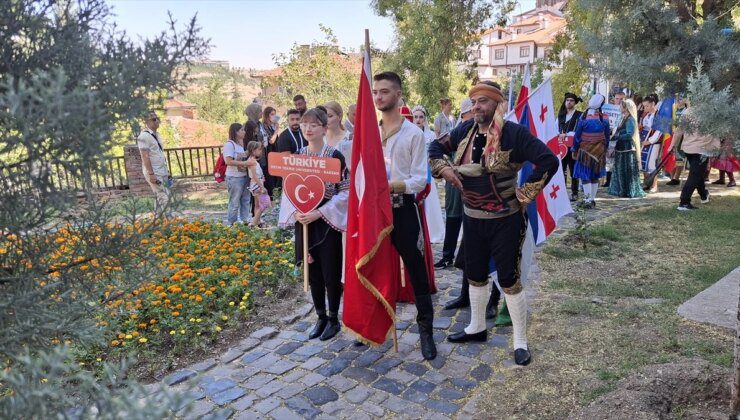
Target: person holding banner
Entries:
(325, 227)
(404, 152)
(590, 143)
(488, 154)
(567, 118)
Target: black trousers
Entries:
(695, 180)
(569, 164)
(452, 232)
(405, 237)
(500, 238)
(325, 272)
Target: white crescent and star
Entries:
(298, 194)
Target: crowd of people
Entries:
(478, 154)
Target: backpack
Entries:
(219, 171)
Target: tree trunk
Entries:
(735, 401)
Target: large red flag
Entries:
(369, 290)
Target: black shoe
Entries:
(463, 337)
(319, 328)
(673, 182)
(459, 302)
(522, 357)
(425, 319)
(574, 197)
(358, 343)
(331, 330)
(443, 263)
(719, 182)
(686, 207)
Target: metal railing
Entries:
(110, 174)
(192, 162)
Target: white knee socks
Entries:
(478, 300)
(589, 191)
(594, 189)
(517, 305)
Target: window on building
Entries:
(523, 51)
(494, 72)
(476, 53)
(500, 54)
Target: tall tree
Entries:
(653, 45)
(433, 36)
(68, 79)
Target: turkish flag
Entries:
(370, 287)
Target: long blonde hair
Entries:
(631, 109)
(334, 107)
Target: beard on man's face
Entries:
(386, 107)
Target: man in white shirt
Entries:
(154, 163)
(349, 124)
(405, 156)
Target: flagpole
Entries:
(395, 332)
(305, 257)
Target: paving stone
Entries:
(439, 337)
(481, 372)
(305, 309)
(509, 364)
(282, 413)
(249, 415)
(228, 396)
(336, 408)
(313, 363)
(378, 397)
(321, 395)
(469, 350)
(327, 355)
(231, 355)
(499, 341)
(199, 409)
(395, 404)
(417, 369)
(401, 376)
(298, 358)
(389, 385)
(402, 325)
(339, 344)
(281, 367)
(287, 348)
(286, 334)
(368, 358)
(221, 414)
(445, 348)
(179, 376)
(301, 326)
(358, 394)
(448, 312)
(248, 344)
(340, 383)
(442, 323)
(264, 333)
(270, 388)
(349, 355)
(423, 386)
(241, 375)
(410, 338)
(434, 377)
(372, 409)
(203, 366)
(458, 326)
(291, 390)
(309, 351)
(290, 318)
(463, 383)
(363, 375)
(188, 397)
(449, 394)
(302, 407)
(244, 402)
(455, 369)
(334, 367)
(385, 365)
(273, 343)
(469, 361)
(294, 376)
(438, 362)
(212, 388)
(253, 356)
(266, 361)
(312, 379)
(265, 406)
(413, 329)
(414, 396)
(442, 406)
(257, 381)
(300, 337)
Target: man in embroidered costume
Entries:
(488, 154)
(404, 151)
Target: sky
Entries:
(248, 33)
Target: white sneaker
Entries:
(705, 200)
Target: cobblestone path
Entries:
(278, 373)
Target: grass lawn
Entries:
(606, 311)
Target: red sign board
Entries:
(284, 164)
(304, 177)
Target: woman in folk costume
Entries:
(649, 138)
(589, 149)
(626, 170)
(432, 206)
(325, 227)
(726, 163)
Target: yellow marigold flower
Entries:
(44, 380)
(142, 340)
(231, 303)
(173, 332)
(129, 336)
(225, 318)
(218, 329)
(198, 320)
(115, 343)
(182, 332)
